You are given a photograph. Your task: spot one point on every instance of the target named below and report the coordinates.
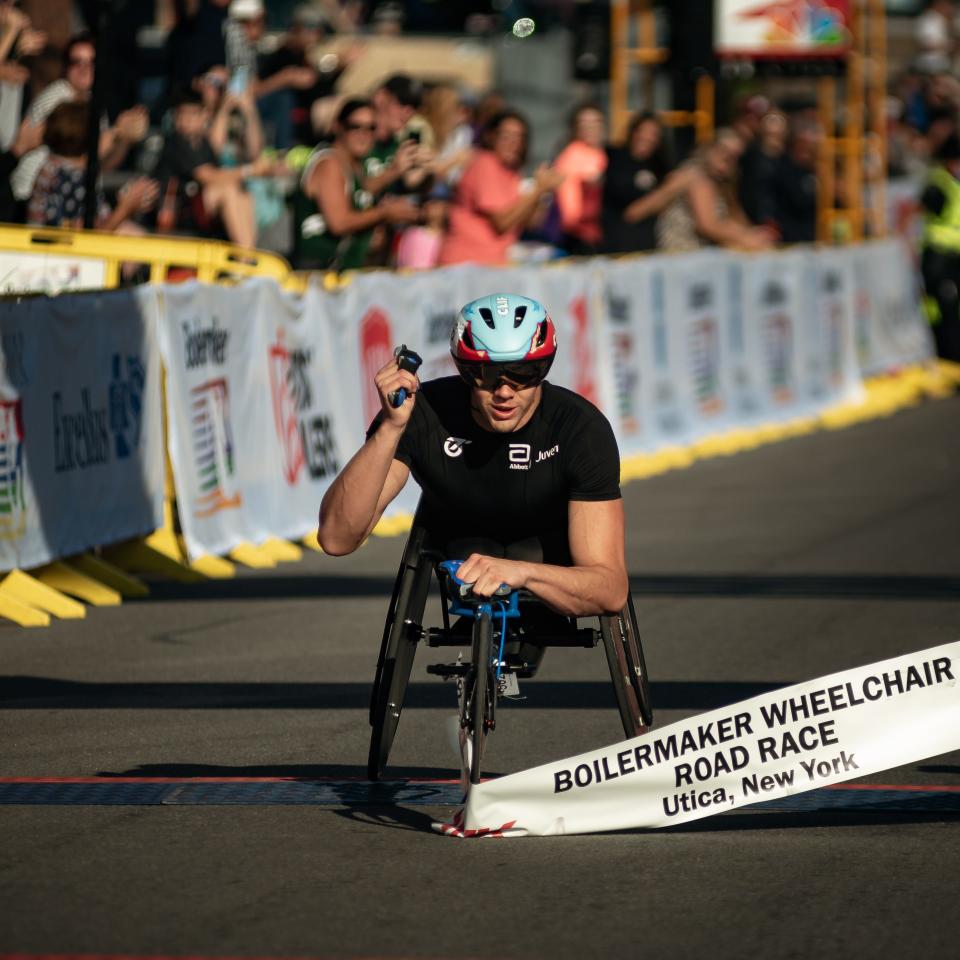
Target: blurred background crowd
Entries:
(292, 127)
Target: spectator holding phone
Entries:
(492, 205)
(203, 190)
(335, 211)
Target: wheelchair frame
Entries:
(404, 630)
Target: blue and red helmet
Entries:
(503, 335)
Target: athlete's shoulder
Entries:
(561, 403)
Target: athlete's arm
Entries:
(595, 583)
(356, 500)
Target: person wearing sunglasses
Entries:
(76, 84)
(334, 210)
(520, 478)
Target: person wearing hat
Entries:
(242, 33)
(940, 259)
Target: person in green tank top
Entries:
(334, 212)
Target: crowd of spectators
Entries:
(245, 145)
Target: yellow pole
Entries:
(619, 79)
(878, 109)
(826, 161)
(853, 133)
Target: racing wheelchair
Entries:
(506, 635)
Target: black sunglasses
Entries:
(366, 127)
(519, 375)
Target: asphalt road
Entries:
(775, 566)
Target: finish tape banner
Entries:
(810, 735)
(81, 430)
(255, 402)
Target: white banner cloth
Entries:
(810, 735)
(254, 402)
(81, 434)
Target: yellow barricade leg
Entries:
(217, 568)
(283, 551)
(106, 573)
(251, 556)
(66, 579)
(21, 613)
(21, 586)
(153, 555)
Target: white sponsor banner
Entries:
(81, 437)
(889, 328)
(836, 728)
(49, 273)
(759, 29)
(255, 400)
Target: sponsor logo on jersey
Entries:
(519, 456)
(453, 446)
(547, 454)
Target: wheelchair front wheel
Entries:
(479, 708)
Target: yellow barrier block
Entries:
(106, 573)
(216, 568)
(251, 556)
(66, 579)
(283, 551)
(21, 613)
(393, 526)
(21, 586)
(311, 543)
(152, 556)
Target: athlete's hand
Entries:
(488, 574)
(390, 378)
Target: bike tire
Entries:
(479, 707)
(396, 663)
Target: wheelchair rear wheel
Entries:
(401, 635)
(628, 670)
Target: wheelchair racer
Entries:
(519, 476)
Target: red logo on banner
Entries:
(375, 351)
(285, 411)
(583, 382)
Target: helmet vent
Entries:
(541, 334)
(487, 315)
(467, 338)
(518, 316)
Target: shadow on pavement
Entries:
(48, 693)
(772, 586)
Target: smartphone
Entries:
(414, 135)
(238, 82)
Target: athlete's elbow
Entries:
(617, 594)
(333, 545)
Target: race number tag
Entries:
(509, 685)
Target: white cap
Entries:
(245, 9)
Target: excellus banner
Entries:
(255, 399)
(81, 434)
(810, 735)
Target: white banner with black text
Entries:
(825, 731)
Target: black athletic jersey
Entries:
(507, 487)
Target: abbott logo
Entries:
(519, 456)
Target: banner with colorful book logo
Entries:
(254, 405)
(81, 436)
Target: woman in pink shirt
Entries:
(491, 209)
(580, 197)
